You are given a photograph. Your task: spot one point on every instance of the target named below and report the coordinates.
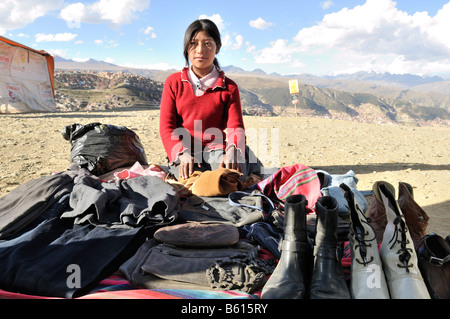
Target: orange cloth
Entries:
(221, 181)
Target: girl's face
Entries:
(202, 52)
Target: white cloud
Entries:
(373, 36)
(260, 23)
(278, 52)
(59, 52)
(17, 14)
(250, 47)
(58, 37)
(98, 42)
(232, 43)
(112, 12)
(149, 30)
(112, 44)
(326, 4)
(378, 27)
(226, 41)
(239, 41)
(216, 18)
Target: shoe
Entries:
(328, 280)
(290, 277)
(398, 254)
(415, 216)
(434, 264)
(367, 279)
(377, 212)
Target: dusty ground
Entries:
(31, 145)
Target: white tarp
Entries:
(24, 81)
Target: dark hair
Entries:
(195, 27)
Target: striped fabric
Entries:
(118, 287)
(169, 294)
(292, 180)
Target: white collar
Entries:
(201, 85)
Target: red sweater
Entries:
(202, 117)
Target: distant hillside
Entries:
(334, 103)
(408, 80)
(93, 90)
(367, 97)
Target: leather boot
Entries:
(415, 216)
(434, 264)
(328, 280)
(398, 254)
(289, 279)
(377, 211)
(367, 275)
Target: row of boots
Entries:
(429, 253)
(305, 270)
(382, 267)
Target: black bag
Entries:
(101, 148)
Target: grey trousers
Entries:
(211, 160)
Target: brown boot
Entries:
(377, 211)
(416, 218)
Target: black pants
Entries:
(39, 261)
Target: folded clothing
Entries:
(196, 234)
(139, 201)
(221, 181)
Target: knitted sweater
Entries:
(197, 123)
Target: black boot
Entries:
(288, 281)
(328, 280)
(434, 264)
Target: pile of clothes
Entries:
(62, 234)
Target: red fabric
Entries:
(292, 180)
(219, 107)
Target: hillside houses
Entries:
(104, 90)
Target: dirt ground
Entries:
(31, 145)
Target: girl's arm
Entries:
(168, 123)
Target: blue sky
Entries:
(288, 37)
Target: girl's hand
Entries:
(186, 167)
(230, 160)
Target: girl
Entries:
(198, 104)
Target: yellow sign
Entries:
(293, 86)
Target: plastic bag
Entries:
(101, 148)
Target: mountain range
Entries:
(378, 97)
